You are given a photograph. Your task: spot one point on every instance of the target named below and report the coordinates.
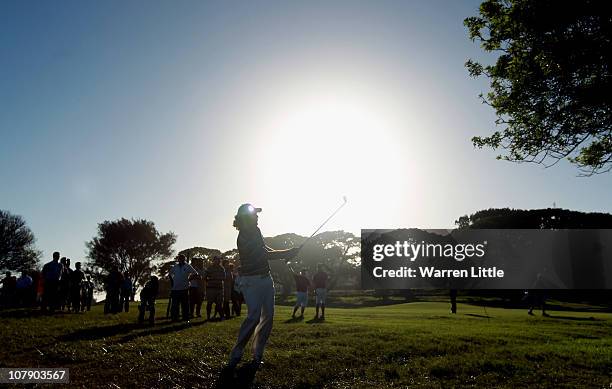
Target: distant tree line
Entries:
(549, 218)
(534, 218)
(337, 250)
(138, 249)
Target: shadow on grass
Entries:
(298, 319)
(336, 303)
(99, 332)
(572, 318)
(553, 306)
(315, 320)
(243, 378)
(161, 330)
(21, 313)
(94, 333)
(477, 315)
(217, 319)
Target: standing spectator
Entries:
(319, 282)
(52, 274)
(126, 293)
(87, 288)
(61, 292)
(39, 283)
(302, 284)
(215, 275)
(76, 278)
(237, 297)
(195, 294)
(453, 300)
(179, 273)
(228, 285)
(112, 285)
(24, 286)
(169, 307)
(35, 295)
(9, 289)
(537, 295)
(148, 294)
(64, 287)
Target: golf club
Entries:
(344, 200)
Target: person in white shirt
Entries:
(179, 275)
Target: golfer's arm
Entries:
(276, 254)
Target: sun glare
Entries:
(318, 148)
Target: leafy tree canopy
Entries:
(17, 250)
(200, 252)
(534, 218)
(337, 250)
(550, 84)
(134, 246)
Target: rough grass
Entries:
(416, 344)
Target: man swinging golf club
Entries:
(255, 283)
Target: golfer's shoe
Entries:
(231, 365)
(256, 364)
(228, 374)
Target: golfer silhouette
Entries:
(256, 285)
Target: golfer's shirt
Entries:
(253, 253)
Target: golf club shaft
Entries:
(325, 222)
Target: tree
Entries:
(337, 250)
(201, 254)
(17, 250)
(549, 218)
(134, 246)
(550, 85)
(232, 255)
(586, 270)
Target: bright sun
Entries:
(320, 147)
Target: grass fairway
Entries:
(416, 344)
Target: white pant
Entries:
(258, 294)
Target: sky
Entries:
(178, 112)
